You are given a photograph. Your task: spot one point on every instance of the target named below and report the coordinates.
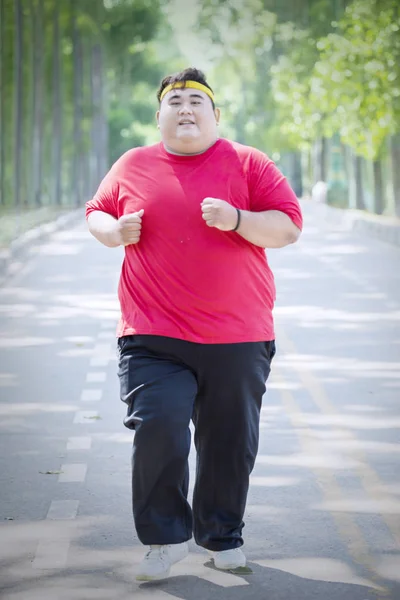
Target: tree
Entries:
(356, 82)
(60, 62)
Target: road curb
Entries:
(386, 229)
(19, 248)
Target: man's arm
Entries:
(103, 227)
(267, 229)
(114, 232)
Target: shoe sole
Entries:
(164, 575)
(226, 567)
(153, 577)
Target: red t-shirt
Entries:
(184, 279)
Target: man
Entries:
(194, 213)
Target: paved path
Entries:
(323, 514)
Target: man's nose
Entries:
(185, 108)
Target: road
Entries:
(323, 513)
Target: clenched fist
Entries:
(219, 213)
(129, 228)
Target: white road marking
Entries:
(86, 416)
(108, 325)
(72, 473)
(106, 335)
(102, 350)
(102, 354)
(91, 395)
(99, 362)
(96, 377)
(79, 443)
(63, 509)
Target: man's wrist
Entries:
(239, 216)
(115, 235)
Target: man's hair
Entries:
(190, 74)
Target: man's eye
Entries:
(195, 102)
(175, 103)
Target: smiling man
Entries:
(195, 214)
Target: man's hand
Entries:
(220, 214)
(128, 228)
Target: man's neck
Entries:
(170, 151)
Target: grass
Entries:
(14, 223)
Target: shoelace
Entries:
(154, 549)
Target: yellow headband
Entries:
(187, 84)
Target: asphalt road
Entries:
(323, 514)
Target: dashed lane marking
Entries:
(86, 416)
(106, 335)
(102, 350)
(99, 362)
(91, 395)
(63, 510)
(96, 377)
(79, 443)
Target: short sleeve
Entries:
(270, 190)
(106, 197)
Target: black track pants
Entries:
(166, 383)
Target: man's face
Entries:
(187, 121)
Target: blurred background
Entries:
(313, 83)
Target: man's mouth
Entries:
(186, 122)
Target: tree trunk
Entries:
(360, 204)
(320, 160)
(323, 158)
(379, 200)
(2, 108)
(395, 155)
(306, 170)
(18, 47)
(86, 98)
(296, 174)
(57, 111)
(99, 120)
(37, 141)
(77, 107)
(103, 122)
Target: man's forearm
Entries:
(268, 229)
(103, 227)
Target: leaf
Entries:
(96, 417)
(241, 571)
(51, 472)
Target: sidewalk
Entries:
(386, 229)
(13, 254)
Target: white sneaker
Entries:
(229, 559)
(159, 559)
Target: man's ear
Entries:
(217, 114)
(158, 118)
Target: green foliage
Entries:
(300, 120)
(125, 31)
(356, 81)
(346, 82)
